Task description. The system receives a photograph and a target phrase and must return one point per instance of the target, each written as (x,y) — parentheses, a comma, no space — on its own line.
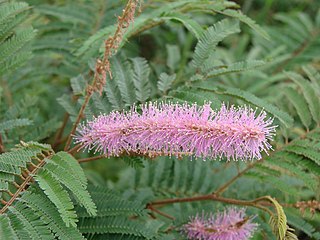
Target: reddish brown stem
(160,212)
(57,139)
(22,186)
(213,197)
(91,158)
(2,150)
(225,186)
(102,67)
(76,123)
(74,149)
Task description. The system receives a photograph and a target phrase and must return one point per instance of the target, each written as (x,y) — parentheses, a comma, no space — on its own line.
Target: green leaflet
(284,117)
(114,95)
(36,228)
(141,74)
(312,74)
(123,75)
(14,40)
(78,85)
(131,83)
(39,203)
(235,67)
(18,158)
(243,18)
(297,221)
(284,164)
(194,27)
(173,56)
(60,197)
(117,237)
(198,97)
(18,227)
(66,13)
(70,164)
(165,82)
(309,94)
(116,215)
(153,18)
(109,203)
(120,225)
(171,175)
(12,162)
(312,154)
(278,222)
(210,39)
(300,105)
(11,9)
(11,124)
(71,108)
(71,182)
(69,40)
(14,45)
(63,169)
(6,231)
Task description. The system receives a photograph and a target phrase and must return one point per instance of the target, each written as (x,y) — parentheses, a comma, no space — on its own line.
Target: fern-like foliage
(117,216)
(210,39)
(50,176)
(14,38)
(181,51)
(296,39)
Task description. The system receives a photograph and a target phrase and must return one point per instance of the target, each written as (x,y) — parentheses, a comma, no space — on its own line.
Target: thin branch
(74,149)
(7,92)
(57,139)
(103,66)
(213,197)
(76,123)
(64,139)
(91,158)
(225,186)
(23,186)
(149,154)
(298,51)
(2,149)
(160,212)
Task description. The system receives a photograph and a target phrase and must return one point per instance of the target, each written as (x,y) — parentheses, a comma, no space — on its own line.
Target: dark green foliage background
(267,57)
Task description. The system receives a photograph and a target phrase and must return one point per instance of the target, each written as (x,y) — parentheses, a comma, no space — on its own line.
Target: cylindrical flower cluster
(232,224)
(174,130)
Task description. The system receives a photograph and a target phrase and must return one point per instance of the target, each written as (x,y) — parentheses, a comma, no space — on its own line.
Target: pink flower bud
(232,224)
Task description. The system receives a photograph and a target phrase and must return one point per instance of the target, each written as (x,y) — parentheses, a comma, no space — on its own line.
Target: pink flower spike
(175,130)
(232,224)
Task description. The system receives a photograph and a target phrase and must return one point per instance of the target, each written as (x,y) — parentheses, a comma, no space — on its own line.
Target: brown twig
(149,154)
(76,123)
(2,149)
(82,160)
(74,149)
(160,212)
(225,186)
(298,51)
(57,139)
(103,66)
(212,197)
(312,205)
(22,186)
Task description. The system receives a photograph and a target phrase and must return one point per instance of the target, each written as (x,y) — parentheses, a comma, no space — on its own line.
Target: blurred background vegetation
(66,37)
